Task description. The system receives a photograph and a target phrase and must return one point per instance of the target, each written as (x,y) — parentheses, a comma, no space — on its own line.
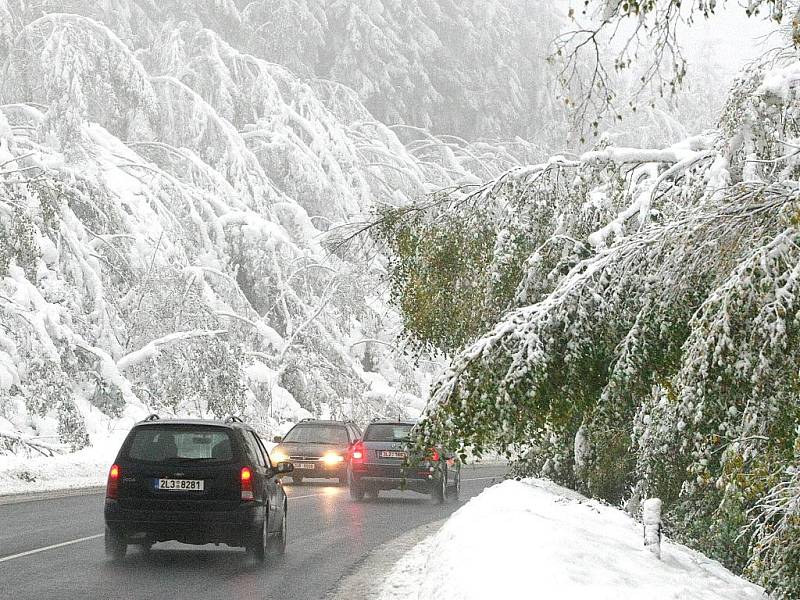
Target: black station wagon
(195,482)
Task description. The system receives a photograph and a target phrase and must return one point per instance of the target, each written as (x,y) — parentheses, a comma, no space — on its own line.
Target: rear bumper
(380,477)
(232,527)
(423,486)
(321,471)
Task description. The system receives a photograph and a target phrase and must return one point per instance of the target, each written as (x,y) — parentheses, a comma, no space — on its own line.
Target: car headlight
(332,458)
(278,456)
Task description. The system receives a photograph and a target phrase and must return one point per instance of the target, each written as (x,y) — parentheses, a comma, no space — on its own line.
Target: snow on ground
(535,540)
(85,468)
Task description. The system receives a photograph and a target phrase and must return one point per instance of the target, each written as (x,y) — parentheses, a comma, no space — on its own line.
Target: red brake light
(247,483)
(358,452)
(112,487)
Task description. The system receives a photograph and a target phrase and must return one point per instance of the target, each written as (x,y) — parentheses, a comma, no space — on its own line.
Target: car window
(264,452)
(387,432)
(321,434)
(167,444)
(255,450)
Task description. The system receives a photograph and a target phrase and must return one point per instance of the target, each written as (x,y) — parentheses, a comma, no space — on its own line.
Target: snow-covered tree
(470,69)
(82,72)
(163,200)
(644,39)
(640,301)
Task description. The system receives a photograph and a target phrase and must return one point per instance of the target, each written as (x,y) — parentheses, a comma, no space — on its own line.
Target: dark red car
(381,461)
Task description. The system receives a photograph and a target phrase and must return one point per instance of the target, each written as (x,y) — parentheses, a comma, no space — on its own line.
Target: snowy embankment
(83,469)
(534,539)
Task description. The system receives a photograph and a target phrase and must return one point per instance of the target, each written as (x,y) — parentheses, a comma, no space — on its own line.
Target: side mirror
(277,439)
(282,468)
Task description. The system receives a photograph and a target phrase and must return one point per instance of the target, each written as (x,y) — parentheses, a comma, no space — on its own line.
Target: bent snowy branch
(152,349)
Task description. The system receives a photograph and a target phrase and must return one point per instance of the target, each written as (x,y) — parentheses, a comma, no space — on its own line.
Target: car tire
(455,490)
(372,494)
(297,479)
(439,492)
(259,541)
(356,489)
(146,547)
(116,546)
(277,545)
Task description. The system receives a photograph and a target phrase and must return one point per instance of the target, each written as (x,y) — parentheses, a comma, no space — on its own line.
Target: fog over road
(329,535)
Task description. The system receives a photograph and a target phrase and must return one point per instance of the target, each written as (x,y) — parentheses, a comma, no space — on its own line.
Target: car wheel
(116,546)
(259,541)
(455,491)
(297,479)
(356,489)
(439,493)
(372,494)
(146,547)
(278,542)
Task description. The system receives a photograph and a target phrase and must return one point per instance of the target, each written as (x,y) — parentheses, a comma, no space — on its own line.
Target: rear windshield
(166,444)
(387,433)
(319,434)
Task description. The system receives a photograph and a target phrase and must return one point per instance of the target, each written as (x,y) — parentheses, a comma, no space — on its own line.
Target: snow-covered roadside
(85,468)
(534,539)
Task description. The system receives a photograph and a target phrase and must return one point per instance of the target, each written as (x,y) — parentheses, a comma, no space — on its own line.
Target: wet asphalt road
(329,535)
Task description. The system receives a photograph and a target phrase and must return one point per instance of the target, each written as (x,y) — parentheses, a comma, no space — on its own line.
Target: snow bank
(85,468)
(534,539)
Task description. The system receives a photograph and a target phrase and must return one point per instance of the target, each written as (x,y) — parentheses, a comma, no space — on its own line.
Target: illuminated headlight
(278,456)
(332,459)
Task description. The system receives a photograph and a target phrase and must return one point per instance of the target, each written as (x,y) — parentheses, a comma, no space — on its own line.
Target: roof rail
(152,417)
(234,419)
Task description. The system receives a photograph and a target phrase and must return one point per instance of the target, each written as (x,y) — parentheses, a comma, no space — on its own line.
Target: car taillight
(247,483)
(112,487)
(433,455)
(358,453)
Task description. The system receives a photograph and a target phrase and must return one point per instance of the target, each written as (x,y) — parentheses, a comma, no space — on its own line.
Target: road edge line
(6,499)
(367,577)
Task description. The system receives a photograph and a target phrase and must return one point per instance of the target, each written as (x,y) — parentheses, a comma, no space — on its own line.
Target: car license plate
(392,454)
(180,485)
(304,465)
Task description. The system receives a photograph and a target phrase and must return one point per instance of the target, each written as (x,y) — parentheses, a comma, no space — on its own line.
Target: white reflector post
(651,515)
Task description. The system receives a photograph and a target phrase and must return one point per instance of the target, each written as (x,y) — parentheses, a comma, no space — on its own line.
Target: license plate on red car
(392,454)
